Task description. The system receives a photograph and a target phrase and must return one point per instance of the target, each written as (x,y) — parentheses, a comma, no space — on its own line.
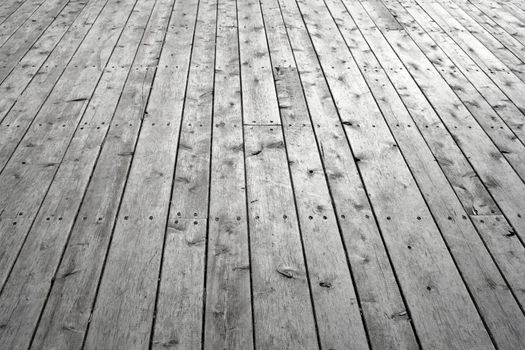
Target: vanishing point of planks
(270,174)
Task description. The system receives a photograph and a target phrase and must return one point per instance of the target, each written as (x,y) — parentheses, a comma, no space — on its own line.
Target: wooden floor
(271,174)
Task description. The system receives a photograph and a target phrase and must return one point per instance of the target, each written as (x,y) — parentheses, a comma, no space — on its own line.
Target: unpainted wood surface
(271,174)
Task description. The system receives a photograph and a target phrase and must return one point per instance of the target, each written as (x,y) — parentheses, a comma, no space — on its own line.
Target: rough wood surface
(271,174)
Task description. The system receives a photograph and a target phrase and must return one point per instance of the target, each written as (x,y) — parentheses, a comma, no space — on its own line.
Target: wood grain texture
(72,295)
(272,174)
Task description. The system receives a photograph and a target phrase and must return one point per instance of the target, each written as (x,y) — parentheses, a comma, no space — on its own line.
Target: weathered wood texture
(271,174)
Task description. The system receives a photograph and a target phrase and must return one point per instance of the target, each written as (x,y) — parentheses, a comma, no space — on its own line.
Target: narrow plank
(512,61)
(498,176)
(335,301)
(495,70)
(432,286)
(516,245)
(508,19)
(499,63)
(228,316)
(23,40)
(134,258)
(469,188)
(517,4)
(42,51)
(314,199)
(387,320)
(506,248)
(184,262)
(179,318)
(515,10)
(283,313)
(336,308)
(8,7)
(434,43)
(68,308)
(22,14)
(26,90)
(503,138)
(498,306)
(282,307)
(29,173)
(514,4)
(474,18)
(27,287)
(259,90)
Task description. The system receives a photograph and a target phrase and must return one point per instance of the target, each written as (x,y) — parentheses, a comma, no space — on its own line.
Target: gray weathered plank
(68,307)
(26,89)
(272,174)
(7,7)
(387,319)
(435,43)
(133,262)
(33,166)
(18,44)
(488,162)
(506,248)
(228,317)
(283,314)
(258,96)
(28,284)
(498,306)
(20,16)
(389,184)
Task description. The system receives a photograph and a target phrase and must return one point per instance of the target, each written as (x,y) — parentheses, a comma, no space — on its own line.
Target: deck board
(272,174)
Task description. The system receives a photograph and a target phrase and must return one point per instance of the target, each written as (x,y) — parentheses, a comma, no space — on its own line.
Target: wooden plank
(434,42)
(10,25)
(182,292)
(501,220)
(27,287)
(68,308)
(134,258)
(504,139)
(33,166)
(468,187)
(61,13)
(495,70)
(283,313)
(504,67)
(498,176)
(43,51)
(497,305)
(387,319)
(335,301)
(430,282)
(258,96)
(228,316)
(512,61)
(474,19)
(515,5)
(8,7)
(331,281)
(506,248)
(315,207)
(509,19)
(26,89)
(363,210)
(282,308)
